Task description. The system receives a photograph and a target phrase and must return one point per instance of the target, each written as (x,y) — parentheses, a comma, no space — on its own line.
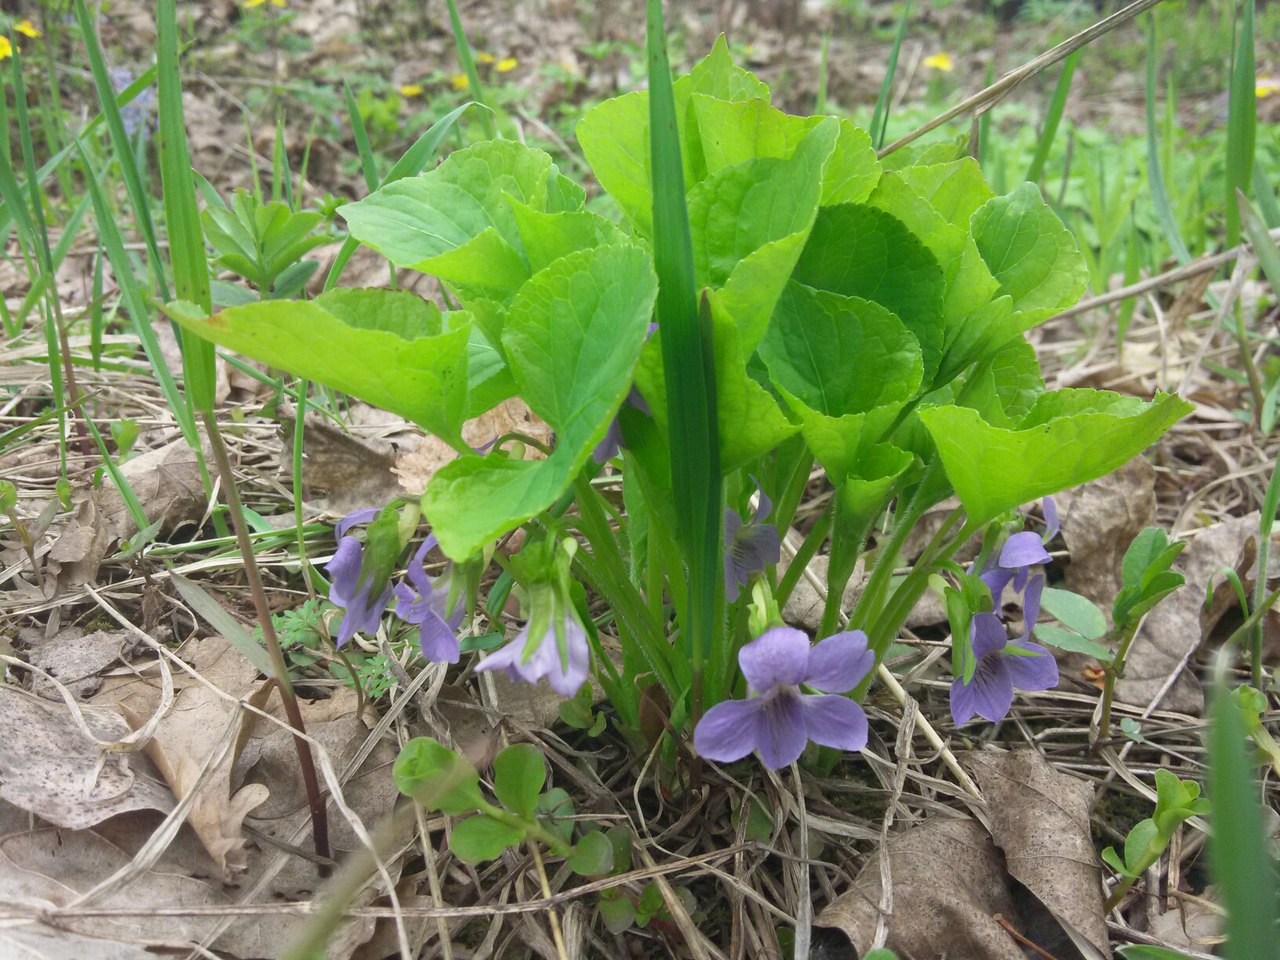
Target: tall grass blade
(1238,848)
(368,162)
(880,116)
(688,364)
(1155,175)
(186,236)
(820,101)
(1264,193)
(1057,104)
(1242,120)
(120,143)
(469,67)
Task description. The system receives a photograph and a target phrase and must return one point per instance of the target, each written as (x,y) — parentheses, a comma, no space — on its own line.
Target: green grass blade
(186,236)
(1057,104)
(1238,848)
(1264,246)
(1155,174)
(820,101)
(880,116)
(469,67)
(1265,195)
(368,162)
(131,502)
(1242,121)
(688,364)
(120,143)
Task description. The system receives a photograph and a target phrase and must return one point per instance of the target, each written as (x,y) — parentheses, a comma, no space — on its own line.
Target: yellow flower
(1266,87)
(411,90)
(460,81)
(507,64)
(484,58)
(27,29)
(6,48)
(250,4)
(940,61)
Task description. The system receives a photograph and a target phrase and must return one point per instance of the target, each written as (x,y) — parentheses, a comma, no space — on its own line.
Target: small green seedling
(442,780)
(1176,801)
(264,243)
(577,712)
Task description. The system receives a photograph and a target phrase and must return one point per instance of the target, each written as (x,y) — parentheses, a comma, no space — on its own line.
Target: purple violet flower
(362,611)
(748,547)
(989,693)
(565,671)
(135,115)
(608,448)
(425,604)
(776,719)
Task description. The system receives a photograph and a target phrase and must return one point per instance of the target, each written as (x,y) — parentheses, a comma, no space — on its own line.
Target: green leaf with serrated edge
(754,217)
(592,855)
(436,777)
(519,772)
(994,469)
(1072,610)
(455,221)
(820,348)
(572,336)
(546,237)
(1029,251)
(480,838)
(750,421)
(862,495)
(859,251)
(614,135)
(377,345)
(1071,641)
(731,132)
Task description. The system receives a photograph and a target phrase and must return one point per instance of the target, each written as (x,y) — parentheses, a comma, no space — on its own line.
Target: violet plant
(814,303)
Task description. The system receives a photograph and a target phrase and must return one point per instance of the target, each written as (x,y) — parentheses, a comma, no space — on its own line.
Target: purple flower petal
(783,737)
(752,549)
(344,571)
(1023,550)
(992,688)
(962,706)
(838,663)
(1031,604)
(996,580)
(438,639)
(545,660)
(610,444)
(765,505)
(730,730)
(987,635)
(1050,518)
(352,519)
(1032,673)
(834,721)
(418,566)
(775,658)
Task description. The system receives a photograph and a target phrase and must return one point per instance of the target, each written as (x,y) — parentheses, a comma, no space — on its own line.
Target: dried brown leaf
(1039,817)
(74,658)
(948,884)
(49,767)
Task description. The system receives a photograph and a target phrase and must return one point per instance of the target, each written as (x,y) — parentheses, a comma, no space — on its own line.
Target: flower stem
(1114,670)
(319,815)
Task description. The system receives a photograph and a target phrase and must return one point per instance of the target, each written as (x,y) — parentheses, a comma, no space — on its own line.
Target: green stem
(808,549)
(1114,671)
(533,830)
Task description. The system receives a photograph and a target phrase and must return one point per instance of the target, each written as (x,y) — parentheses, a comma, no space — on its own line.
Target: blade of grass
(820,101)
(1238,848)
(1242,120)
(984,99)
(1057,104)
(1155,175)
(368,162)
(880,116)
(469,67)
(40,283)
(689,367)
(120,143)
(1265,195)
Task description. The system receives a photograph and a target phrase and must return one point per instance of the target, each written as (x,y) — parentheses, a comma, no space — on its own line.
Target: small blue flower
(777,719)
(362,607)
(748,547)
(565,668)
(425,604)
(989,692)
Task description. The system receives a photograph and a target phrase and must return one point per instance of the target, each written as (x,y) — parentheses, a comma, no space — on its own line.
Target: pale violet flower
(528,658)
(748,547)
(362,607)
(777,719)
(989,693)
(424,602)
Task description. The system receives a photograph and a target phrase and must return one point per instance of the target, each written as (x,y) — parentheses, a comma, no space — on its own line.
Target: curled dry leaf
(168,485)
(948,884)
(74,658)
(187,738)
(49,767)
(1039,817)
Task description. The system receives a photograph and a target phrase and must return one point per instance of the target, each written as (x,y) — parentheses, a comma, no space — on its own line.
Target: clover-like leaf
(519,773)
(592,855)
(480,838)
(437,777)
